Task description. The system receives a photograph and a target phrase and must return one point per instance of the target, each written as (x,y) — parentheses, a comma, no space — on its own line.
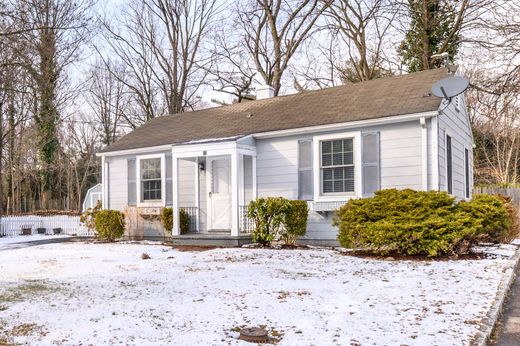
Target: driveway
(508,328)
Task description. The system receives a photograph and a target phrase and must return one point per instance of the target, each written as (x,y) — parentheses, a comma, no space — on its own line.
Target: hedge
(430,223)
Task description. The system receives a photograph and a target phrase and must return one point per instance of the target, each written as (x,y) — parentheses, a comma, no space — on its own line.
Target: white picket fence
(13,225)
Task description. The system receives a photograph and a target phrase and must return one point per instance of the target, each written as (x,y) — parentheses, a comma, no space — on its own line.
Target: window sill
(151,204)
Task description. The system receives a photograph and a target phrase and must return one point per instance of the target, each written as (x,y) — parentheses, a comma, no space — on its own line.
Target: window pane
(348,144)
(337,159)
(348,158)
(326,160)
(327,174)
(327,186)
(326,147)
(337,146)
(349,186)
(349,172)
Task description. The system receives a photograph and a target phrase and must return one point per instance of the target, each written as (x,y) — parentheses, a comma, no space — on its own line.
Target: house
(324,146)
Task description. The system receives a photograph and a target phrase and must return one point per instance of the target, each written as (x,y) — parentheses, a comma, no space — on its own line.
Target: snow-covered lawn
(81,294)
(28,238)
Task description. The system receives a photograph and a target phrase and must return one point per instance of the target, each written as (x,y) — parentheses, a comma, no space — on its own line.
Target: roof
(384,97)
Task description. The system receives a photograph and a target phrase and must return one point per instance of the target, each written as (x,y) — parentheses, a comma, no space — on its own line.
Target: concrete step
(210,240)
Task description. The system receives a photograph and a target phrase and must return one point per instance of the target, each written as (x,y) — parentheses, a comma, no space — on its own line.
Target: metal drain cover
(254,334)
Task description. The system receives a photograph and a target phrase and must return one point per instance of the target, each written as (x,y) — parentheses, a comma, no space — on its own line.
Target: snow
(28,238)
(79,293)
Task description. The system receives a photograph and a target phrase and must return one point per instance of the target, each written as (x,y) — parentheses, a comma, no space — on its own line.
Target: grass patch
(26,290)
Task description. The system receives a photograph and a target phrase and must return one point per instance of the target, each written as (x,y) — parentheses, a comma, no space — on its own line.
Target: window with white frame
(151,180)
(337,166)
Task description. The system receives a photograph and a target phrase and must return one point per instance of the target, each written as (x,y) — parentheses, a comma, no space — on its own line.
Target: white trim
(346,125)
(446,134)
(234,193)
(103,178)
(435,153)
(358,169)
(197,194)
(158,203)
(253,167)
(424,153)
(467,177)
(175,196)
(145,150)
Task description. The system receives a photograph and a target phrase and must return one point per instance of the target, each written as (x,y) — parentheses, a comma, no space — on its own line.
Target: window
(337,166)
(305,178)
(449,165)
(466,170)
(150,170)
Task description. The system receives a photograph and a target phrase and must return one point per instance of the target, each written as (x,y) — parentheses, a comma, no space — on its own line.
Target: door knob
(210,194)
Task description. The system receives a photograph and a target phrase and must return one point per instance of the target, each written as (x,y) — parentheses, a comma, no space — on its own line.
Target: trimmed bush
(405,222)
(268,215)
(167,219)
(184,218)
(495,215)
(110,224)
(295,221)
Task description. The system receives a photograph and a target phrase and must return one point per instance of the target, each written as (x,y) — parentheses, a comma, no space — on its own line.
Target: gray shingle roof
(378,98)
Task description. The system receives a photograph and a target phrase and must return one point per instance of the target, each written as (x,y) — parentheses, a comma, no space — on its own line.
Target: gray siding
(456,125)
(187,173)
(277,167)
(118,185)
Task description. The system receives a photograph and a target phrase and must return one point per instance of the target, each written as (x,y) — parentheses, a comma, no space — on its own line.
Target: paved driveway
(508,328)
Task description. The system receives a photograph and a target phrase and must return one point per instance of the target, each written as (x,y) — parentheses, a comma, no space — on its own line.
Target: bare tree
(274,30)
(108,99)
(232,71)
(362,26)
(161,44)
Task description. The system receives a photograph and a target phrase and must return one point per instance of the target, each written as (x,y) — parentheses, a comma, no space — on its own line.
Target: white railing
(70,225)
(245,224)
(193,213)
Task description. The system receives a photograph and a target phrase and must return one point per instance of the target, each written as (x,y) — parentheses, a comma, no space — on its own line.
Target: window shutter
(371,169)
(132,187)
(305,176)
(169,179)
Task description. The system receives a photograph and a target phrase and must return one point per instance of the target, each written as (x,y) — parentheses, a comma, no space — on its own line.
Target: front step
(210,240)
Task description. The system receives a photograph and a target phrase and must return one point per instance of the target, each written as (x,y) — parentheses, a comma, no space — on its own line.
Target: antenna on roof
(450,87)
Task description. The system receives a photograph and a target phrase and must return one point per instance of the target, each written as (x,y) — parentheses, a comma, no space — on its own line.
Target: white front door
(219,195)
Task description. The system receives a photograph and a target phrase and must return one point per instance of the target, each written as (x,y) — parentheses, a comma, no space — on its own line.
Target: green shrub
(406,222)
(268,215)
(295,221)
(167,219)
(110,224)
(493,215)
(184,218)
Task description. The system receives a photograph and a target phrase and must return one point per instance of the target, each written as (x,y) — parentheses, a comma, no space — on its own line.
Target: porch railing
(193,213)
(245,224)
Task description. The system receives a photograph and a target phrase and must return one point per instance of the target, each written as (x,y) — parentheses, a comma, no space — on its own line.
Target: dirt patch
(26,290)
(26,329)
